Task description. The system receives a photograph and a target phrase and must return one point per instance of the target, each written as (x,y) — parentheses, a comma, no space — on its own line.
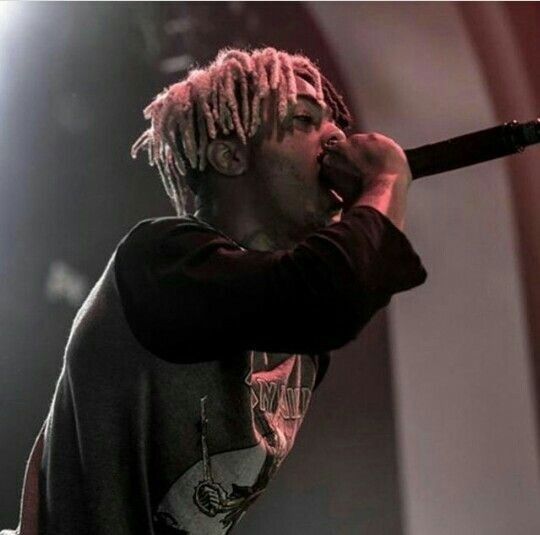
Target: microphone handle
(472,148)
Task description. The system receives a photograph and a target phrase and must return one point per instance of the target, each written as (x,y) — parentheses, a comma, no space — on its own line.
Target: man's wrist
(390,200)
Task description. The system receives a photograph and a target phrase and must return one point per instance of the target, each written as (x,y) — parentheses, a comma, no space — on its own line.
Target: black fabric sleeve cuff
(395,266)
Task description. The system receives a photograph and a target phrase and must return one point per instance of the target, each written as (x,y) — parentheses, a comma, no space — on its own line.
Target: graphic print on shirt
(212,496)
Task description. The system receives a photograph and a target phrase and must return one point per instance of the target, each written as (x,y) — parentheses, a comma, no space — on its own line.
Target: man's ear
(228,156)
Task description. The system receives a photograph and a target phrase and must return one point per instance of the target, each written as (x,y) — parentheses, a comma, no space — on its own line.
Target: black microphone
(472,148)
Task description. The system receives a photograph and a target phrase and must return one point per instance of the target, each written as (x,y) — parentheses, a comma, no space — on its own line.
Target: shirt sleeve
(191,293)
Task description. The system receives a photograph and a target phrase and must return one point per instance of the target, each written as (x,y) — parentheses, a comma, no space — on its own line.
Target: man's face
(285,171)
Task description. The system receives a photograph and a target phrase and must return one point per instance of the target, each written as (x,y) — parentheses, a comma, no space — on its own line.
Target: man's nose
(332,136)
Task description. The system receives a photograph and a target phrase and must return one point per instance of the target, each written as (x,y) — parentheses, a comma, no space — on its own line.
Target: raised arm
(191,293)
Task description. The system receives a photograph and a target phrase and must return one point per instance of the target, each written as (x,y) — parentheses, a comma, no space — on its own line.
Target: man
(191,364)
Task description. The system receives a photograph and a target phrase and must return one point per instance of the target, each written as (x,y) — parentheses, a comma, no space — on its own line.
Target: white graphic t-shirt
(213,494)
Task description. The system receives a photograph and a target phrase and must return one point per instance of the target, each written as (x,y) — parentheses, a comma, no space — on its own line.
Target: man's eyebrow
(313,101)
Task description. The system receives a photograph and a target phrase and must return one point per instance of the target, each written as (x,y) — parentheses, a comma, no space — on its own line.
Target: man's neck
(243,229)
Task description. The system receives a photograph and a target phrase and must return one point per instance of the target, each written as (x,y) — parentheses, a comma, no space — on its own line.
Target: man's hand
(369,170)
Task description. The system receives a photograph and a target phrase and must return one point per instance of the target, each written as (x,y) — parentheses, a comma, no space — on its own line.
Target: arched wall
(460,347)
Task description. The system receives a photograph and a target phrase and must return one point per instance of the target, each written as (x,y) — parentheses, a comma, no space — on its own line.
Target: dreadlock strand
(161,109)
(308,71)
(203,136)
(202,85)
(233,103)
(342,113)
(141,142)
(224,114)
(318,82)
(214,97)
(282,101)
(191,141)
(243,72)
(290,77)
(174,178)
(207,115)
(263,90)
(240,56)
(181,112)
(245,67)
(181,198)
(165,179)
(170,146)
(286,92)
(176,156)
(274,67)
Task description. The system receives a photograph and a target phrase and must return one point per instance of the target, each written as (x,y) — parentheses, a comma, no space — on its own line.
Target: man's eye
(306,119)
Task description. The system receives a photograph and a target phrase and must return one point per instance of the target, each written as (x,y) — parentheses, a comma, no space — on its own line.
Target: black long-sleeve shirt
(188,289)
(189,369)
